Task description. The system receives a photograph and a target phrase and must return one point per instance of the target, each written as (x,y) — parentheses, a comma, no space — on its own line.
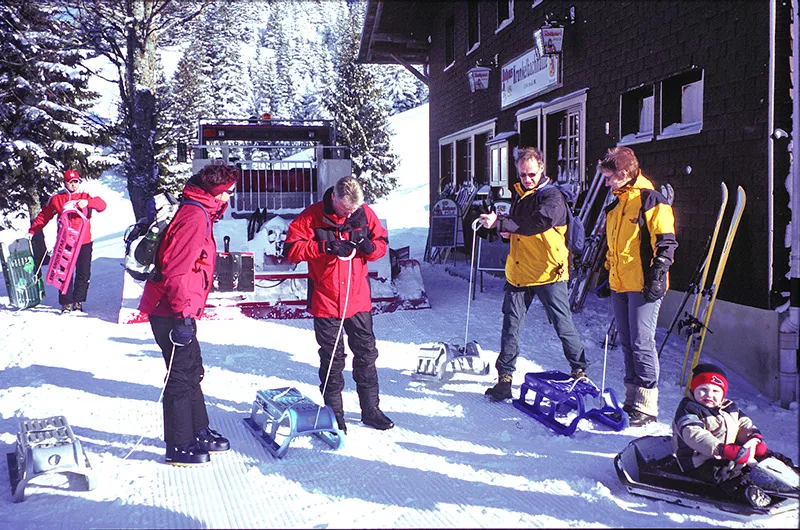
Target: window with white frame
(505,13)
(636,115)
(449,42)
(463,155)
(682,104)
(473,26)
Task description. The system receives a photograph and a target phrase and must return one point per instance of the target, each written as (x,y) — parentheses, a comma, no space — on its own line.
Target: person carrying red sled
(71,198)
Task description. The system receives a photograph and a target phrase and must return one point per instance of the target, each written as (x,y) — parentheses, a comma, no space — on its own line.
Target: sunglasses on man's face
(73,181)
(231,191)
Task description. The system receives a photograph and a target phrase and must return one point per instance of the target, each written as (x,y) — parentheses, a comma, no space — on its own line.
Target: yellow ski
(691,321)
(723,260)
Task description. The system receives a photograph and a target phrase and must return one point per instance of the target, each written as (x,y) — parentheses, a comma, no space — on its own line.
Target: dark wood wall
(616,46)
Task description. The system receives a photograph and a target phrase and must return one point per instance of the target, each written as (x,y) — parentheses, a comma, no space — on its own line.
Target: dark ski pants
(361,340)
(184,404)
(79,286)
(636,321)
(555,299)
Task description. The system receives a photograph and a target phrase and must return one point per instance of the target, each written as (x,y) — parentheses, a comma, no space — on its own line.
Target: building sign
(526,76)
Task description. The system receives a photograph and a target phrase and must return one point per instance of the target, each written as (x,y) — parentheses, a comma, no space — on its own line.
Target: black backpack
(575,237)
(143,238)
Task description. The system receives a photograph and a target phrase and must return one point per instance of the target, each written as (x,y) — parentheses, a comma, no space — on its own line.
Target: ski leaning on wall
(696,324)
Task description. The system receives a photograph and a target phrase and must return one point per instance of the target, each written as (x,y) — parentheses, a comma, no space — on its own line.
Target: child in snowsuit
(716,442)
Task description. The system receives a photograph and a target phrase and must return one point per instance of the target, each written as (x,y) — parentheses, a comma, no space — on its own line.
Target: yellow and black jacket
(640,225)
(537,223)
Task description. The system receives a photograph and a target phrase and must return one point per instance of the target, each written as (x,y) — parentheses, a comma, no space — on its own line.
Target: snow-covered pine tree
(45,124)
(223,34)
(128,33)
(361,113)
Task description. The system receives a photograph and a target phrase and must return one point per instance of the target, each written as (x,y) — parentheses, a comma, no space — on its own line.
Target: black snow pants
(184,404)
(79,286)
(361,340)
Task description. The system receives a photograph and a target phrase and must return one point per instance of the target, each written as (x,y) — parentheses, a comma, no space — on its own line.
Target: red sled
(71,226)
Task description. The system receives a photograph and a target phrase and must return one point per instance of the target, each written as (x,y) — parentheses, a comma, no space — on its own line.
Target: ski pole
(475,224)
(160,397)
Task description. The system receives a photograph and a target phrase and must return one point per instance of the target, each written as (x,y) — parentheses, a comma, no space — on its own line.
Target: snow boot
(77,306)
(376,419)
(502,390)
(579,373)
(757,497)
(212,441)
(188,454)
(639,418)
(66,308)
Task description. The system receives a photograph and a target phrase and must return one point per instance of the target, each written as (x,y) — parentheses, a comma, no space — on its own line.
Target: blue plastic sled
(558,393)
(282,407)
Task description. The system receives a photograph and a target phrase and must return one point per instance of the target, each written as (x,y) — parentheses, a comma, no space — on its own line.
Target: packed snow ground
(453,460)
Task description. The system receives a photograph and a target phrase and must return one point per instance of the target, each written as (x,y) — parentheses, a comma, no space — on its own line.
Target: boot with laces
(502,390)
(212,441)
(188,454)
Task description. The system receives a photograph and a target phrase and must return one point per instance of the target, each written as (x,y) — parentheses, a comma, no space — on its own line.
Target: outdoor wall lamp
(479,76)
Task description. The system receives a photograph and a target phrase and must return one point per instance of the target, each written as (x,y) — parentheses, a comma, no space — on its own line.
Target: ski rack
(558,393)
(25,288)
(46,446)
(67,249)
(434,365)
(287,407)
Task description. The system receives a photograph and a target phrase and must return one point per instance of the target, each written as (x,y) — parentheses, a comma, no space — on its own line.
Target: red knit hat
(709,374)
(70,175)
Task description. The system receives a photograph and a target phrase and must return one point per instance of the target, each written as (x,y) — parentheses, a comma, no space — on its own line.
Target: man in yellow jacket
(537,265)
(640,229)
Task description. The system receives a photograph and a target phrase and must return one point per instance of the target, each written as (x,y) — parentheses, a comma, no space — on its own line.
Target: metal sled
(441,360)
(19,270)
(68,246)
(647,467)
(557,392)
(46,446)
(283,408)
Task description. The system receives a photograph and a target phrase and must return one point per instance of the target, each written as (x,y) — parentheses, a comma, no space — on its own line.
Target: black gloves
(655,281)
(340,247)
(603,289)
(182,331)
(363,243)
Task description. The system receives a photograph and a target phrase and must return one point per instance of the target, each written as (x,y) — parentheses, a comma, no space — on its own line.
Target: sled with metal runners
(44,446)
(440,360)
(24,285)
(555,393)
(280,415)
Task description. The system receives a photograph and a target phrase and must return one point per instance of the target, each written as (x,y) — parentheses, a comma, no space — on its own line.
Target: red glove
(761,448)
(737,453)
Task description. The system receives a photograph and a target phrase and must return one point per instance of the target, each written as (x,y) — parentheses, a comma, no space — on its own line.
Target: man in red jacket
(71,198)
(337,236)
(174,298)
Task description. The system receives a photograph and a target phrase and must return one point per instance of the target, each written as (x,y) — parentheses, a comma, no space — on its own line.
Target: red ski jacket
(327,274)
(186,259)
(62,200)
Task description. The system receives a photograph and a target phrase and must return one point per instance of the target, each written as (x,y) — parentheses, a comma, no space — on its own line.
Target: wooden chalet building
(700,90)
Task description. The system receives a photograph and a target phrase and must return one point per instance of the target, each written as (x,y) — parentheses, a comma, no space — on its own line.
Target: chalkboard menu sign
(492,256)
(444,224)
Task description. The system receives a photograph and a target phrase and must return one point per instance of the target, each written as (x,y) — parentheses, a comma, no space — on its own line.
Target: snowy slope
(454,459)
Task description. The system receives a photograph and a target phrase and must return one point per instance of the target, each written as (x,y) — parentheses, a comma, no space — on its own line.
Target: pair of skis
(696,323)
